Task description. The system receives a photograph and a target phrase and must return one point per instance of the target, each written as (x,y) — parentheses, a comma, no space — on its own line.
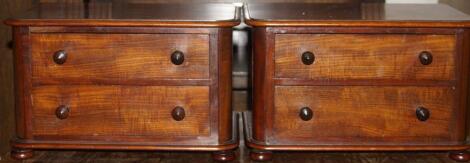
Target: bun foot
(21,154)
(228,155)
(460,156)
(261,155)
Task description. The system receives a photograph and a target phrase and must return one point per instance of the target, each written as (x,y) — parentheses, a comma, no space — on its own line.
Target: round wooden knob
(60,57)
(177,57)
(308,58)
(178,113)
(306,114)
(422,113)
(425,57)
(62,112)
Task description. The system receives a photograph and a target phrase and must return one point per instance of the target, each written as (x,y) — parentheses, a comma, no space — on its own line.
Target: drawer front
(364,115)
(363,57)
(113,112)
(119,57)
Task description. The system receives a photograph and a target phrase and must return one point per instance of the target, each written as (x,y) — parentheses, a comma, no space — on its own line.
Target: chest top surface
(128,13)
(355,14)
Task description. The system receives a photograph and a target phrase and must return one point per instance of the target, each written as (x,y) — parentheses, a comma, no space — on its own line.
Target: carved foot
(228,155)
(261,155)
(21,154)
(460,156)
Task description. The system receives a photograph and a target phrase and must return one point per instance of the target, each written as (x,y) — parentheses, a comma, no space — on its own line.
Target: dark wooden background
(10,8)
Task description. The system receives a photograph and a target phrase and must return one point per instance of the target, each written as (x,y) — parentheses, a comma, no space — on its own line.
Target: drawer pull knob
(308,58)
(425,58)
(177,58)
(60,57)
(422,113)
(62,112)
(178,113)
(306,114)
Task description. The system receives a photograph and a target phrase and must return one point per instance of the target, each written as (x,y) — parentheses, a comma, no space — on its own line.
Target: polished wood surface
(261,155)
(263,71)
(104,112)
(460,156)
(356,56)
(358,77)
(119,57)
(116,75)
(354,14)
(166,144)
(223,156)
(125,13)
(363,115)
(20,154)
(242,154)
(262,146)
(224,76)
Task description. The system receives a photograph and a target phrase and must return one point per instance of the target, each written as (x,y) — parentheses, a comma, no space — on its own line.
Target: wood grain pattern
(264,146)
(119,57)
(132,113)
(356,56)
(117,77)
(364,115)
(367,79)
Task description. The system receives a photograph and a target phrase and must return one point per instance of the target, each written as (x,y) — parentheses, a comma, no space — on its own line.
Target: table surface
(116,13)
(349,14)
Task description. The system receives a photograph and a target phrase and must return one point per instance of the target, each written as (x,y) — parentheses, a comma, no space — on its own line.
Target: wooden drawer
(355,115)
(116,113)
(119,57)
(365,56)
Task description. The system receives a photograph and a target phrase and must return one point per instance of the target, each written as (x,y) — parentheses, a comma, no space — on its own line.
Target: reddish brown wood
(462,84)
(363,30)
(118,79)
(256,155)
(224,83)
(363,115)
(260,145)
(21,154)
(119,57)
(460,156)
(121,30)
(103,145)
(380,77)
(214,85)
(353,15)
(23,83)
(104,112)
(343,56)
(127,14)
(360,82)
(186,145)
(224,155)
(259,76)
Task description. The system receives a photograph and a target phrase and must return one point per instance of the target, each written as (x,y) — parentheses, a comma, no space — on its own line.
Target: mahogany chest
(124,75)
(358,77)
